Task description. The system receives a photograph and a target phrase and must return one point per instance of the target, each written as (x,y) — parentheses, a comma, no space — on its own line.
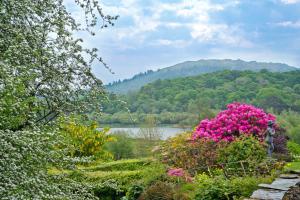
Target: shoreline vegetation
(119,125)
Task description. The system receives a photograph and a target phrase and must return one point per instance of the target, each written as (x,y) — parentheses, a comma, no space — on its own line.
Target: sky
(153,34)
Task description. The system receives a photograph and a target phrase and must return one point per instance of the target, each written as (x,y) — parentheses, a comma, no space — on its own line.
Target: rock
(292,194)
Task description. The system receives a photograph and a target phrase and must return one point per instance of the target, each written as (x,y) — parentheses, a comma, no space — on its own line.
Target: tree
(122,147)
(44,72)
(273,98)
(148,130)
(44,69)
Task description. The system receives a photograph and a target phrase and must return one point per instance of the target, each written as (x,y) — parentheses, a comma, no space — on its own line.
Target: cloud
(162,32)
(289,24)
(290,1)
(200,24)
(219,33)
(172,43)
(192,16)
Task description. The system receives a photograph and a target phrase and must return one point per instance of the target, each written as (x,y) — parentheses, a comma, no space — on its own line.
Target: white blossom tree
(44,72)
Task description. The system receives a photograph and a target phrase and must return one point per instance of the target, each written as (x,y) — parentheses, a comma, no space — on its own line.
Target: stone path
(277,189)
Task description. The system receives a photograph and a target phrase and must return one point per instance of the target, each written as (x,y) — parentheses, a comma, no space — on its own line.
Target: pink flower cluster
(237,119)
(179,172)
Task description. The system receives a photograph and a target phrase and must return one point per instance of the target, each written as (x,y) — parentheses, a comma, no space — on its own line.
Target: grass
(292,166)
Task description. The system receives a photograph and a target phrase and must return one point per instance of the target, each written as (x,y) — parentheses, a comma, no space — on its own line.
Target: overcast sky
(152,34)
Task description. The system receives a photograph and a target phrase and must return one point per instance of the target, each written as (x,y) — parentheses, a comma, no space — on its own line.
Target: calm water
(165,132)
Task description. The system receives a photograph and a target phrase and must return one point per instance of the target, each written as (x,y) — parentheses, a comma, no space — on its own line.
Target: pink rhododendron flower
(237,119)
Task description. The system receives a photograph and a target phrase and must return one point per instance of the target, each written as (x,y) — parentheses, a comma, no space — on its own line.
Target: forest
(187,100)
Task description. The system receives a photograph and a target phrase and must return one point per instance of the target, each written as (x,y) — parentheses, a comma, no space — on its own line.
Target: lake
(165,132)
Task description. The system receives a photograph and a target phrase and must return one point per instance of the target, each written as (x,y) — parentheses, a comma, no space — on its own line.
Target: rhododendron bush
(180,152)
(238,119)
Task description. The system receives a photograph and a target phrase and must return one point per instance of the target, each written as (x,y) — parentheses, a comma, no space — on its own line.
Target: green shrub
(193,156)
(242,149)
(243,186)
(218,187)
(294,149)
(163,191)
(154,172)
(134,192)
(108,190)
(243,156)
(211,188)
(122,147)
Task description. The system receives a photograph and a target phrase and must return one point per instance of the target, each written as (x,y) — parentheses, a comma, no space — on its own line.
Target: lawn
(292,166)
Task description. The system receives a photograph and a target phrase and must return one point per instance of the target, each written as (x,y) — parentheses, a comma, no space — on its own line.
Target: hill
(192,68)
(177,99)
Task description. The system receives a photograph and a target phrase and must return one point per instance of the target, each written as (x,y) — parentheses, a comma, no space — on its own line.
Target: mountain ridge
(193,68)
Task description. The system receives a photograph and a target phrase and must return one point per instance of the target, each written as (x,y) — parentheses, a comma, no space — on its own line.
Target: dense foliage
(238,119)
(201,95)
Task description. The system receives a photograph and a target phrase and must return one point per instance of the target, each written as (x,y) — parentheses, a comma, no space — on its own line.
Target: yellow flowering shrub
(86,140)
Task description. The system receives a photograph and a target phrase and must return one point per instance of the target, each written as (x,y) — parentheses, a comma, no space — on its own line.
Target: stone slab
(285,183)
(264,194)
(273,187)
